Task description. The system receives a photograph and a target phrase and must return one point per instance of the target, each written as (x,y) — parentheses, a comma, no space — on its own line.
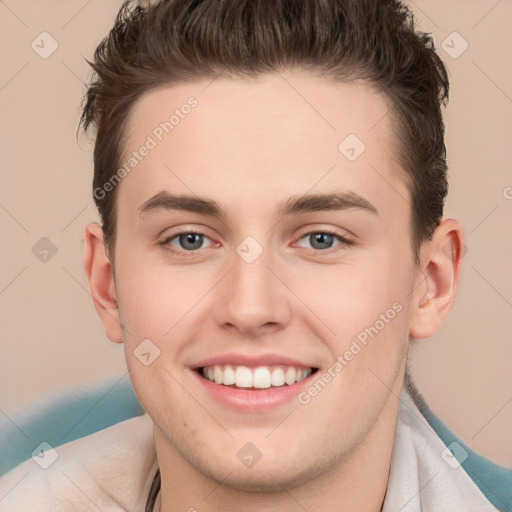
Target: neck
(357,483)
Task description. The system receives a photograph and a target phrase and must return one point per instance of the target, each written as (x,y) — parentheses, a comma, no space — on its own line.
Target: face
(268,261)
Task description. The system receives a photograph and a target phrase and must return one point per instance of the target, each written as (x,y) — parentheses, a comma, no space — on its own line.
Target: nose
(252,300)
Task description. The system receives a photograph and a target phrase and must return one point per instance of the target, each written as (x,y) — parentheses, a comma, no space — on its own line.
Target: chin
(265,477)
(261,480)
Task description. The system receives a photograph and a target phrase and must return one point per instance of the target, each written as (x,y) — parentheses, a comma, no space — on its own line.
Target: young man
(270,178)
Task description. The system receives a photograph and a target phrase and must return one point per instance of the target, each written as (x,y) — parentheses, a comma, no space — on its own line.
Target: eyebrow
(294,205)
(327,202)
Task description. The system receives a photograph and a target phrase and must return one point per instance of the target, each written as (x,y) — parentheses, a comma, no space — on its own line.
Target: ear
(439,270)
(101,281)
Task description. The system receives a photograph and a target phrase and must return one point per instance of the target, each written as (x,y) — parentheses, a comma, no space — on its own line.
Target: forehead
(282,133)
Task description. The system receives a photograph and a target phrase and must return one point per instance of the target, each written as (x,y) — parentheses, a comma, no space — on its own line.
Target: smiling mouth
(261,377)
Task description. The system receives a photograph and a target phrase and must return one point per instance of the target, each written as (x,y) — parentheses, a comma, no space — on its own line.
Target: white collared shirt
(112,471)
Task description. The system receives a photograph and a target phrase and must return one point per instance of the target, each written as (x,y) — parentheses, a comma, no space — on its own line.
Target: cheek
(366,311)
(368,318)
(154,297)
(347,299)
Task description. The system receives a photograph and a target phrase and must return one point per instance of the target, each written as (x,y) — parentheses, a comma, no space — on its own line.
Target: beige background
(51,337)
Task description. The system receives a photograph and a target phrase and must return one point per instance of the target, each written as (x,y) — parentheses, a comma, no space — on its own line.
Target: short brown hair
(167,41)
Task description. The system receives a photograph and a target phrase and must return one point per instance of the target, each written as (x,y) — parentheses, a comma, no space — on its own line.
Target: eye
(186,241)
(321,240)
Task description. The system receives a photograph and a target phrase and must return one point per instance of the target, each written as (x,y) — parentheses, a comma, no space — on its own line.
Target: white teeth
(302,374)
(229,376)
(243,377)
(290,376)
(262,377)
(277,377)
(217,374)
(306,373)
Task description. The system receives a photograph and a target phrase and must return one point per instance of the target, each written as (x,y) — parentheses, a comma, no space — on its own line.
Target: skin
(250,145)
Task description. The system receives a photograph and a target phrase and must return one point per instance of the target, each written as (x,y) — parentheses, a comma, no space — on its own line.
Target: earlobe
(101,281)
(441,261)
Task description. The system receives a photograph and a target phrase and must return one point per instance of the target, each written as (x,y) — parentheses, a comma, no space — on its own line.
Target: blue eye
(321,240)
(191,241)
(187,241)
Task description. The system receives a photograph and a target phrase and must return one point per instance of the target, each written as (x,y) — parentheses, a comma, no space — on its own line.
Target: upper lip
(251,361)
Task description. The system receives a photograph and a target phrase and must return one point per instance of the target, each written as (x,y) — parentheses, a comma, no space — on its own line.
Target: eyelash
(343,241)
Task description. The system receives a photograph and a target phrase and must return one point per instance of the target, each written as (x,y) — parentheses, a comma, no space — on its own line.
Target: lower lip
(253,400)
